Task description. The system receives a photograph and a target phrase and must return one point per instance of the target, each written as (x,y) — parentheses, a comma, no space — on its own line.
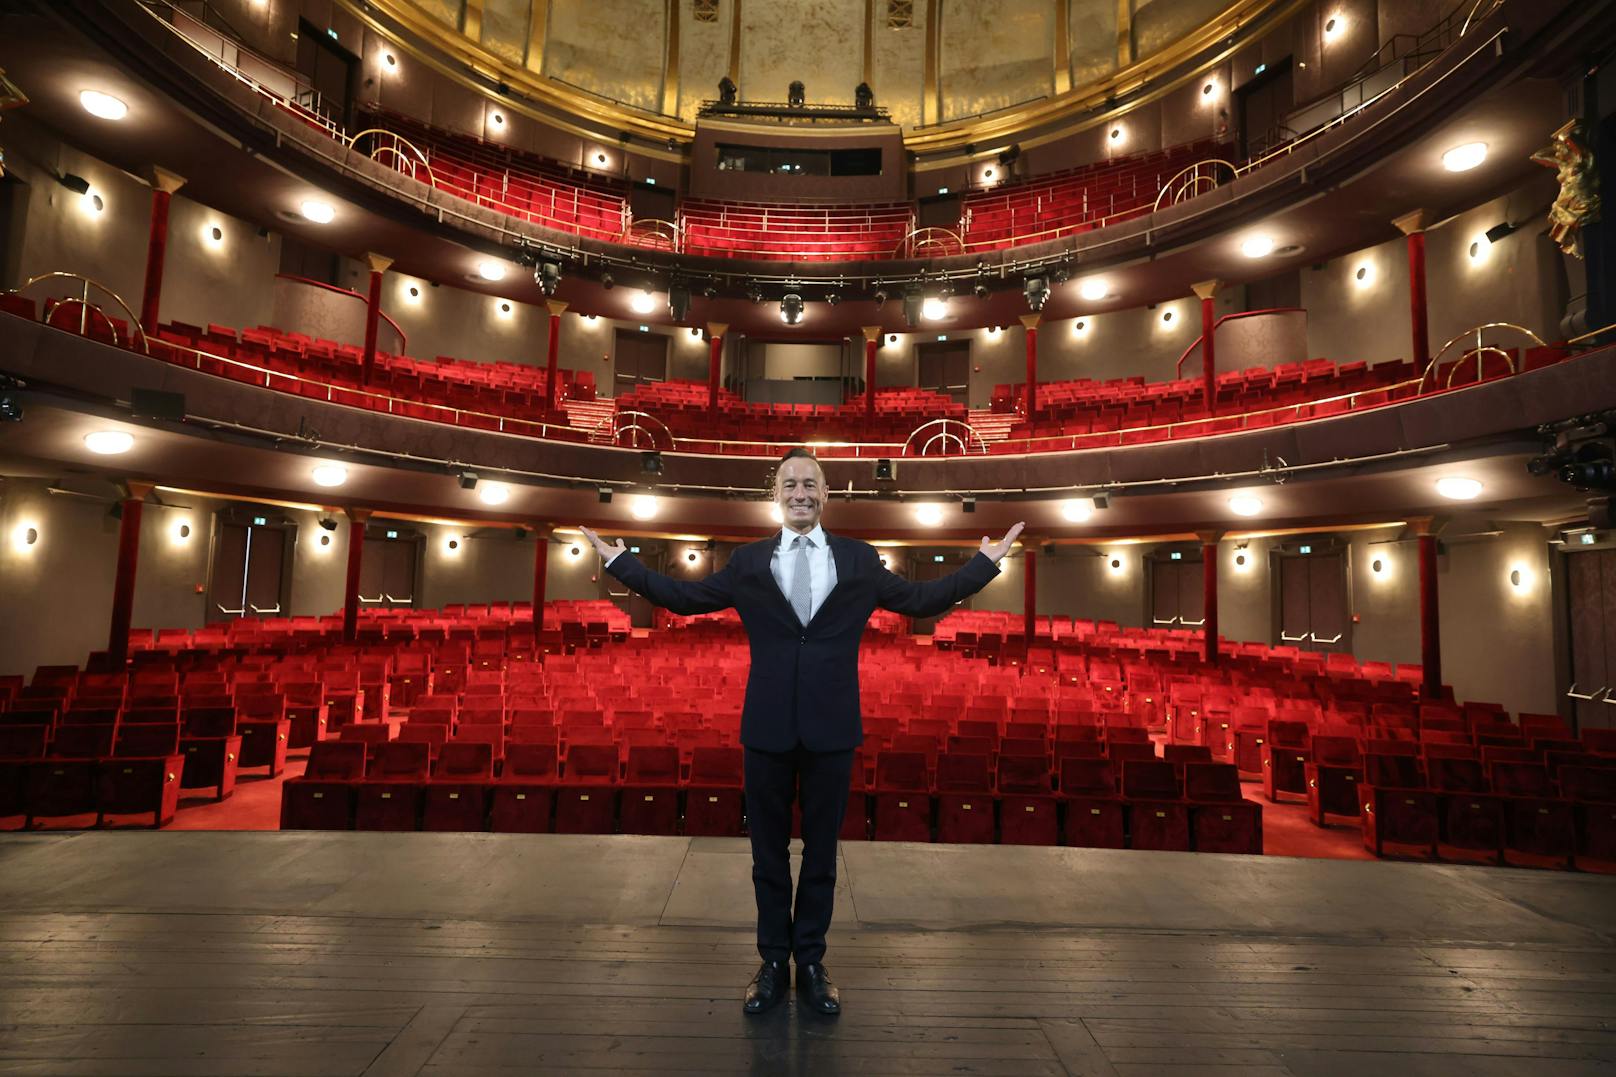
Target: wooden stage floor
(175,953)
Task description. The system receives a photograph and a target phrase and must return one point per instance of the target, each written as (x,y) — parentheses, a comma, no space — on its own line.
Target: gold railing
(1191,181)
(84,304)
(1479,351)
(403,154)
(654,232)
(947,434)
(930,243)
(636,428)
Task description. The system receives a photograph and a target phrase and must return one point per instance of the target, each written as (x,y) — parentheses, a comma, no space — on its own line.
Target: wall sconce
(25,537)
(179,532)
(452,545)
(1520,578)
(575,552)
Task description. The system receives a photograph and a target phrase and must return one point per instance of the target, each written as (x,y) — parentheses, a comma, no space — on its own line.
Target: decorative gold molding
(1205,289)
(164,180)
(670,61)
(1030,320)
(716,330)
(869,40)
(734,43)
(538,33)
(377,263)
(872,333)
(471,20)
(1414,221)
(1063,46)
(556,307)
(931,101)
(1124,33)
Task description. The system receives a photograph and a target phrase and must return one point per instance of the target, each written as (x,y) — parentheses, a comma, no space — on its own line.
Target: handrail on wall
(85,306)
(1178,369)
(403,340)
(1479,351)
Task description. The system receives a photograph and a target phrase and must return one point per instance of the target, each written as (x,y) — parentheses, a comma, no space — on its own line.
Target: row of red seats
(795,233)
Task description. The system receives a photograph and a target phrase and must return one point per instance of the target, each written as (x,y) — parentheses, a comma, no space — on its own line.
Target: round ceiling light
(643,303)
(313,209)
(643,507)
(1457,488)
(490,270)
(934,309)
(1257,246)
(103,105)
(330,475)
(108,442)
(1094,289)
(929,515)
(1464,157)
(1245,505)
(493,493)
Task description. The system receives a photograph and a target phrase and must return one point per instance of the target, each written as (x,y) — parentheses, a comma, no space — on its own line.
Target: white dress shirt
(783,564)
(821,566)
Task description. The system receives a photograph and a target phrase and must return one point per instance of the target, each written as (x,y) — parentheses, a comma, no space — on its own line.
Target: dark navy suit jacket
(804,687)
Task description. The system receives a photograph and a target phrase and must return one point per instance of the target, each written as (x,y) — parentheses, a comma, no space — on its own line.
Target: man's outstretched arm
(932,597)
(680,596)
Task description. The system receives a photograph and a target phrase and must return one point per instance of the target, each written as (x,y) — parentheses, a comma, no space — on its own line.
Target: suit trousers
(820,781)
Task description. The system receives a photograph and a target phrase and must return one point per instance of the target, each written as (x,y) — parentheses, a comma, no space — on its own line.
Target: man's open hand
(608,552)
(996,550)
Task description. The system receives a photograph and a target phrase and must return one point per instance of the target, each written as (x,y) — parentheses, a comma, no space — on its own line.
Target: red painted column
(872,341)
(552,356)
(373,311)
(356,555)
(123,587)
(1029,594)
(715,360)
(164,184)
(541,583)
(1030,321)
(1209,592)
(1206,290)
(1430,614)
(1413,226)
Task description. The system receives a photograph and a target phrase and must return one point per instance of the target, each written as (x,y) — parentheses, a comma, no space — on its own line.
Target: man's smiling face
(799,490)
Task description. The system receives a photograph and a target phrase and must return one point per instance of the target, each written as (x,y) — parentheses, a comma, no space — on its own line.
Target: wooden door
(639,359)
(1177,593)
(1591,613)
(387,573)
(945,367)
(249,571)
(1314,613)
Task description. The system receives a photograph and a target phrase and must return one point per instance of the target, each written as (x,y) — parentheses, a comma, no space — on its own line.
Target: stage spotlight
(606,281)
(76,184)
(726,91)
(1499,231)
(791,308)
(547,275)
(833,298)
(1102,501)
(980,290)
(709,292)
(754,292)
(796,96)
(884,471)
(914,305)
(10,409)
(863,96)
(968,505)
(604,494)
(468,480)
(651,463)
(880,298)
(1009,155)
(678,300)
(1036,291)
(328,523)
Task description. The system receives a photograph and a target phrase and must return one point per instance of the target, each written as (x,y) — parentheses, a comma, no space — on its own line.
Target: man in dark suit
(804,596)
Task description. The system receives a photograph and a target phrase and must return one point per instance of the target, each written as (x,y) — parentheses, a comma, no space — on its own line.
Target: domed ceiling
(928,61)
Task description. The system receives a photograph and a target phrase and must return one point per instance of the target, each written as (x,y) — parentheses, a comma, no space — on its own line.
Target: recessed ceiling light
(313,209)
(1456,488)
(643,303)
(643,507)
(493,493)
(1245,505)
(1077,510)
(108,442)
(490,270)
(929,515)
(934,309)
(1464,158)
(1094,289)
(330,475)
(1257,246)
(103,105)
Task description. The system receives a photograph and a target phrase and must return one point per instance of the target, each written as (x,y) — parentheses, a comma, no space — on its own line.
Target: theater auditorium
(841,537)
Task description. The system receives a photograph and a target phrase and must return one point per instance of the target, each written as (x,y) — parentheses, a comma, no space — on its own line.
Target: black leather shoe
(813,983)
(768,987)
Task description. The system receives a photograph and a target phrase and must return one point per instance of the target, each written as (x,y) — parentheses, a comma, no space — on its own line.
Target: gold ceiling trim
(1133,78)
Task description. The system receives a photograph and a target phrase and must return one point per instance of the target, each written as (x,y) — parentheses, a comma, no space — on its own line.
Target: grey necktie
(802,599)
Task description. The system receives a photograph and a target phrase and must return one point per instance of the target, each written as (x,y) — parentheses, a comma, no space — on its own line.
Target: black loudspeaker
(157,404)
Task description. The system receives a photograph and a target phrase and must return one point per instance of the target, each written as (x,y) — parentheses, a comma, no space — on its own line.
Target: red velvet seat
(389,797)
(1093,812)
(1537,823)
(322,798)
(1470,817)
(586,793)
(524,793)
(1027,805)
(1285,756)
(964,798)
(1222,820)
(1158,818)
(902,797)
(1592,792)
(713,792)
(649,799)
(457,796)
(1394,805)
(1333,774)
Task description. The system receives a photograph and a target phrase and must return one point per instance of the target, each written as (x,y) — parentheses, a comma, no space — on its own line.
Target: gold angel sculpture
(1578,203)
